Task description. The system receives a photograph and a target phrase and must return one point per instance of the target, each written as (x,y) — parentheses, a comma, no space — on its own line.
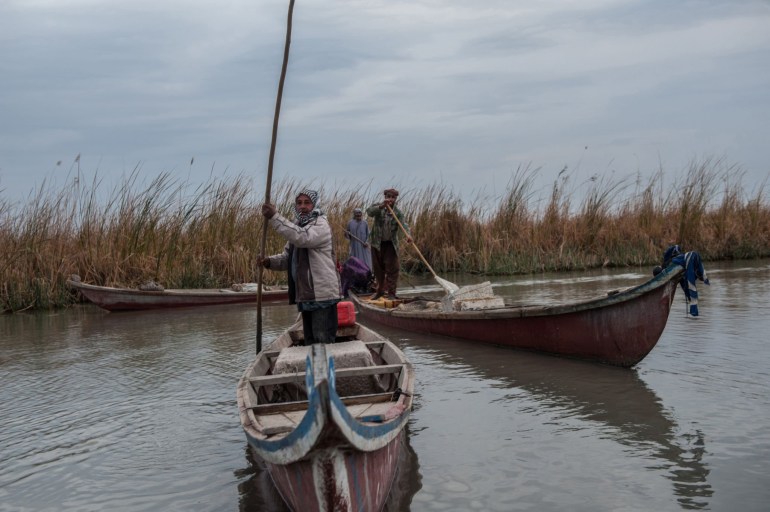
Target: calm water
(136,411)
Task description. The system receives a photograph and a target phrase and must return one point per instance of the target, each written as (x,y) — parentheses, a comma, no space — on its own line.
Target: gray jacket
(316,277)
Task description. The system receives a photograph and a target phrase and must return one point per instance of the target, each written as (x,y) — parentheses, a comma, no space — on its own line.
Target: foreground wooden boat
(620,328)
(131,299)
(328,420)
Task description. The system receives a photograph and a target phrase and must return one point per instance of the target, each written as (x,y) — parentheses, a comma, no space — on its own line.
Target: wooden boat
(620,328)
(131,299)
(328,420)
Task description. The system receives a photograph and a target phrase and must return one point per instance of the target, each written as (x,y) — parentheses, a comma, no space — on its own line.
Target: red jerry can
(346,314)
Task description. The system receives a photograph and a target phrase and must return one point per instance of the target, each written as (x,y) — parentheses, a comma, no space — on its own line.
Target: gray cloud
(382,90)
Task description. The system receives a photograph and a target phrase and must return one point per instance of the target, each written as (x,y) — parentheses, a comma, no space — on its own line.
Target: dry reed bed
(209,236)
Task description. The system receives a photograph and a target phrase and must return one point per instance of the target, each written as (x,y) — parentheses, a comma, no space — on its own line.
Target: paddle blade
(446,285)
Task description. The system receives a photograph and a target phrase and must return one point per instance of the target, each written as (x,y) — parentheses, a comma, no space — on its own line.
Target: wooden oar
(446,285)
(270,170)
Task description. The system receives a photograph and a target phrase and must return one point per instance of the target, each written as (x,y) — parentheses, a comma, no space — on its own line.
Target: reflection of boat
(620,328)
(328,420)
(408,480)
(616,401)
(131,299)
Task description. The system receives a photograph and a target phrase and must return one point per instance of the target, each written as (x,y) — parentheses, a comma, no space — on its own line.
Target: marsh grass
(208,236)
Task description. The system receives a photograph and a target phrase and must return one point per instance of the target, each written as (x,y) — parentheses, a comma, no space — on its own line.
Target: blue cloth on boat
(673,250)
(693,271)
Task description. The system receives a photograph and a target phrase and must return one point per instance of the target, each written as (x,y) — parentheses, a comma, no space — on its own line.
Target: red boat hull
(127,299)
(620,329)
(339,479)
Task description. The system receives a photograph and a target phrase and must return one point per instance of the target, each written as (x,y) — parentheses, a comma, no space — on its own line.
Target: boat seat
(347,354)
(345,333)
(342,373)
(301,405)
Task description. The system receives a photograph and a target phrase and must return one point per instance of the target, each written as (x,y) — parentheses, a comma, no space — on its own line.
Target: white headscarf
(304,218)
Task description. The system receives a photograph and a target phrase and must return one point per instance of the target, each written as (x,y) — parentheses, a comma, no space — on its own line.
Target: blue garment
(359,229)
(693,271)
(673,250)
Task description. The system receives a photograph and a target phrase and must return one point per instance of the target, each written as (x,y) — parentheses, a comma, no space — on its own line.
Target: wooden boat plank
(270,354)
(280,423)
(281,378)
(357,410)
(388,353)
(299,377)
(277,429)
(373,412)
(376,346)
(402,383)
(299,405)
(369,370)
(298,335)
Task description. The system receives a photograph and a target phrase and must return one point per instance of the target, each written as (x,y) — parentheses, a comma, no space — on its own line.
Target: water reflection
(615,400)
(408,480)
(256,490)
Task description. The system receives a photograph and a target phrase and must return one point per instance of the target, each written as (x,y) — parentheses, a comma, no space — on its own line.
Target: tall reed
(208,235)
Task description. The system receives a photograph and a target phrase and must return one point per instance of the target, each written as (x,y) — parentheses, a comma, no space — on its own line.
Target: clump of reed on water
(208,236)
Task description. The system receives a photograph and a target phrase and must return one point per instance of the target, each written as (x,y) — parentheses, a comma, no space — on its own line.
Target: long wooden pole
(270,169)
(354,237)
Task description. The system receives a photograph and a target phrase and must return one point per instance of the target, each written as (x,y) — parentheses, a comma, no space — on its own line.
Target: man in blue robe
(357,232)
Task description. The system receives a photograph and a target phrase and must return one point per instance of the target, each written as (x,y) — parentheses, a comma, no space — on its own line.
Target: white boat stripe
(342,487)
(318,482)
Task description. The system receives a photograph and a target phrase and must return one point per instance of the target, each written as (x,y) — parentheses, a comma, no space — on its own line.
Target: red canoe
(620,328)
(129,299)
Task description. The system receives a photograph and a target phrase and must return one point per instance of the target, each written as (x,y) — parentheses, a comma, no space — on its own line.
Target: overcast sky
(382,92)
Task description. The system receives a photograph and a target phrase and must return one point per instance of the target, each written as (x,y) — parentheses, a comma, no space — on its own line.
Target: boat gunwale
(177,292)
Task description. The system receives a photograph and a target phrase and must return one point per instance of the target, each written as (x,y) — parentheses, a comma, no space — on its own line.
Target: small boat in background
(619,328)
(131,299)
(329,420)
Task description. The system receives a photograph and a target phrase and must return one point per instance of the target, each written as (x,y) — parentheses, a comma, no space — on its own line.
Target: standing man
(358,233)
(384,241)
(314,284)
